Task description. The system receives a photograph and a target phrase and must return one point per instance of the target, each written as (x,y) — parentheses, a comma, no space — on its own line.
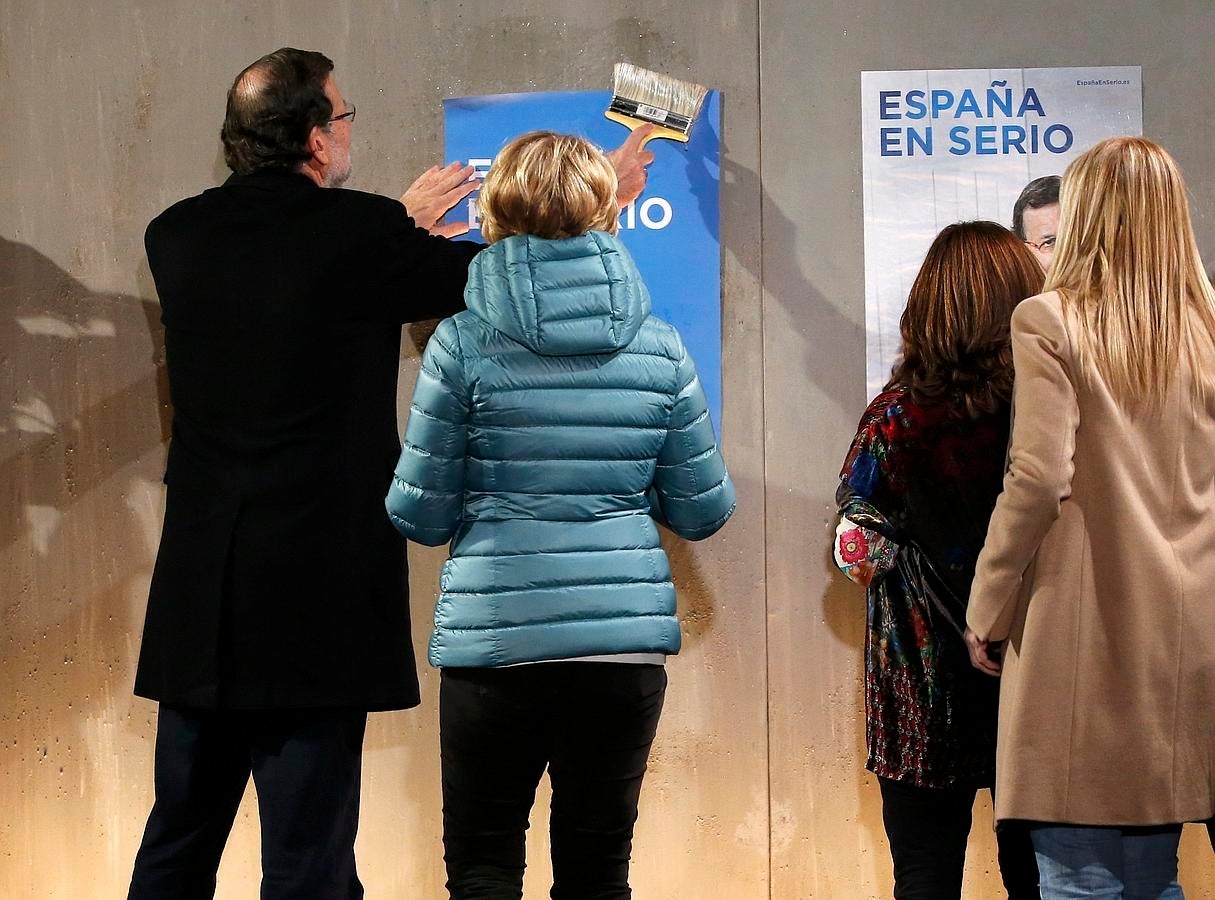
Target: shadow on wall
(62,344)
(692,589)
(86,415)
(823,329)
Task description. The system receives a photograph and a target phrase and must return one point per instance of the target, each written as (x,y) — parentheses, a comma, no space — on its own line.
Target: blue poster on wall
(671,229)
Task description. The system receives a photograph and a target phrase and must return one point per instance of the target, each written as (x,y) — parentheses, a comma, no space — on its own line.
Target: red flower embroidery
(861,573)
(854,547)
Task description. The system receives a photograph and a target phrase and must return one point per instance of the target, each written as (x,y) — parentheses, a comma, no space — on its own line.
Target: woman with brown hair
(916,491)
(1098,569)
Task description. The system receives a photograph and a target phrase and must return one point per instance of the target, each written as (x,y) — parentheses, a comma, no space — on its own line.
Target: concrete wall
(826,823)
(111,112)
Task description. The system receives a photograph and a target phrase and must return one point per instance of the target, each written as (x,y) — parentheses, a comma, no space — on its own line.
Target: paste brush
(640,96)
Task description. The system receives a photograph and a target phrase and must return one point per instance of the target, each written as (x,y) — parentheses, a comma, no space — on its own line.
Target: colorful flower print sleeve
(862,553)
(867,539)
(915,493)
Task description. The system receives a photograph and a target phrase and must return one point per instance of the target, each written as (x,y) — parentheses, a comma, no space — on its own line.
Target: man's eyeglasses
(1048,243)
(348,114)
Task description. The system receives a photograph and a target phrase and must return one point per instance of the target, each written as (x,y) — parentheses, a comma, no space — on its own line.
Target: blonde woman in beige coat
(1098,574)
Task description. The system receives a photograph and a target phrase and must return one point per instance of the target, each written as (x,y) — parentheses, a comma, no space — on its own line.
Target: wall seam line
(763,425)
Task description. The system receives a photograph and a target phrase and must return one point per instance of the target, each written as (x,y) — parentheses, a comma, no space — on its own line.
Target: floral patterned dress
(915,496)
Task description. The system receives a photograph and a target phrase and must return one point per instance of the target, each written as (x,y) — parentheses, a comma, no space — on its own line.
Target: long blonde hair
(1128,270)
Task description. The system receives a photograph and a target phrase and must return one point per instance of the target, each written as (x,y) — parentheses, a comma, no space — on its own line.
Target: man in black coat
(278,614)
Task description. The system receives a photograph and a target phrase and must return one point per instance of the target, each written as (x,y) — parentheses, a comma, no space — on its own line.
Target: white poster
(953,145)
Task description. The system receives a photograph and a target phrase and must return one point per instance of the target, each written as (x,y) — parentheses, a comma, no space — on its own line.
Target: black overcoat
(280,581)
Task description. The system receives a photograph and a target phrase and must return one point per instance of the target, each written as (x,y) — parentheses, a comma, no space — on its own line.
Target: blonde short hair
(551,186)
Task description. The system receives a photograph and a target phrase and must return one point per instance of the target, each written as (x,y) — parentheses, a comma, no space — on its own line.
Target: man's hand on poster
(630,160)
(435,192)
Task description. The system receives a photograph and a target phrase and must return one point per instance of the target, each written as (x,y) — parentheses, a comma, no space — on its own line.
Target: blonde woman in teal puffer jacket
(553,422)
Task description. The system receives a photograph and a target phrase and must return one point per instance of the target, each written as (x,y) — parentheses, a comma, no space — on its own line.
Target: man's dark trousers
(306,769)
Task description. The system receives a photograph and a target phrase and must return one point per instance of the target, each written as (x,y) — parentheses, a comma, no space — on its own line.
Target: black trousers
(928,829)
(306,767)
(591,724)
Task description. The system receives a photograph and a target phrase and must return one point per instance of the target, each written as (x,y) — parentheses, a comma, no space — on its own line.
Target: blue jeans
(1109,863)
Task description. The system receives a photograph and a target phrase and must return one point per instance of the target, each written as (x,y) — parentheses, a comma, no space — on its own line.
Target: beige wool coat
(1099,571)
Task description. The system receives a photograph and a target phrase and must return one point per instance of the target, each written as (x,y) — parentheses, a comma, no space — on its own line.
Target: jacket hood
(566,297)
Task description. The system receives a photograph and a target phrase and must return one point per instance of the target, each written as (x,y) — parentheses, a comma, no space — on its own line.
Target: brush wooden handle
(631,123)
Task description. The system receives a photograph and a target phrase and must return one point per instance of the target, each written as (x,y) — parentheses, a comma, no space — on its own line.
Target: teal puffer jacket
(551,423)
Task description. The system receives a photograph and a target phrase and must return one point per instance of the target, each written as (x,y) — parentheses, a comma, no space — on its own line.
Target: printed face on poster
(954,145)
(671,230)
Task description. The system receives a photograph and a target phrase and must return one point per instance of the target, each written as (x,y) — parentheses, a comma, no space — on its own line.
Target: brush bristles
(683,98)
